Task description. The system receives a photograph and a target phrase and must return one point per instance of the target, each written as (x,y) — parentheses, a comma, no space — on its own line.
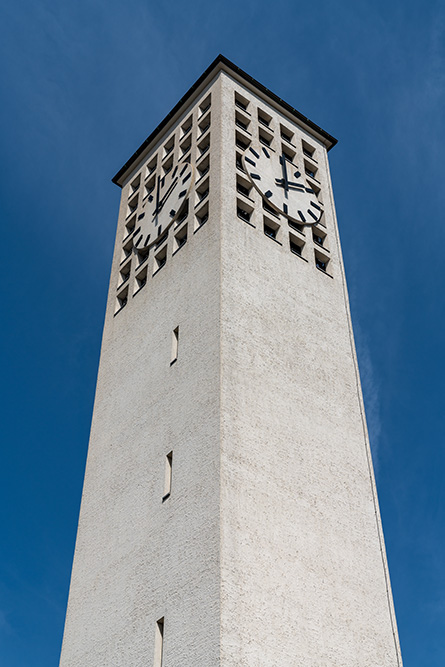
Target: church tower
(229,513)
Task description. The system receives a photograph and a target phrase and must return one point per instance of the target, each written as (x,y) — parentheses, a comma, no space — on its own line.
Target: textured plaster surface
(302,573)
(137,558)
(269,551)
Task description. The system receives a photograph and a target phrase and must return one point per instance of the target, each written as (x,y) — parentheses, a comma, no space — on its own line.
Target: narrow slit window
(175,343)
(159,642)
(168,476)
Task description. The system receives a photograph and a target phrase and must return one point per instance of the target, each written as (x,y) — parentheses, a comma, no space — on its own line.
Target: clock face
(164,205)
(282,185)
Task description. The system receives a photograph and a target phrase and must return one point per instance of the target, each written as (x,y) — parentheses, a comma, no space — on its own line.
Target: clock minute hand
(285,179)
(155,214)
(161,203)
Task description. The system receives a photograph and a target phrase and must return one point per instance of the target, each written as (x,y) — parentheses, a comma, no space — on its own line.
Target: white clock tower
(229,513)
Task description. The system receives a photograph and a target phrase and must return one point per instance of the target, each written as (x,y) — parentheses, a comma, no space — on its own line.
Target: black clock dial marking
(315,205)
(254,153)
(250,161)
(265,153)
(302,218)
(268,194)
(256,176)
(313,215)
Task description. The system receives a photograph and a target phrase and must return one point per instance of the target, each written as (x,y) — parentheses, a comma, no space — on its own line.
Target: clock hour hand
(291,185)
(296,186)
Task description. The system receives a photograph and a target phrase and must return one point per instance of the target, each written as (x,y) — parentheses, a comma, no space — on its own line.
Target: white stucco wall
(302,572)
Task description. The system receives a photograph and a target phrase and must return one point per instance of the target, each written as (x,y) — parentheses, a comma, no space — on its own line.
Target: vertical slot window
(175,344)
(168,476)
(159,642)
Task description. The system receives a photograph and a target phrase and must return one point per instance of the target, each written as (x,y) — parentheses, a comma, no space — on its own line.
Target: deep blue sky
(83,84)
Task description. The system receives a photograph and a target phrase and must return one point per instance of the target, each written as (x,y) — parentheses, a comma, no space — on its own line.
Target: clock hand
(161,203)
(290,184)
(157,192)
(285,180)
(155,214)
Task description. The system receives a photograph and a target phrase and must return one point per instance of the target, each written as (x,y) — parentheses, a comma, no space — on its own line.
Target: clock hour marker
(311,192)
(182,194)
(297,174)
(254,152)
(183,169)
(302,218)
(268,194)
(315,205)
(174,171)
(312,214)
(266,153)
(256,176)
(172,212)
(184,180)
(285,209)
(250,161)
(147,240)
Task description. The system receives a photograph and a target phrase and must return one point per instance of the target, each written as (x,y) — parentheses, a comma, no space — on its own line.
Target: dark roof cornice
(222,63)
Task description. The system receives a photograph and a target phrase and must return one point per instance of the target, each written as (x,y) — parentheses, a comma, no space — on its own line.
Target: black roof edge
(231,66)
